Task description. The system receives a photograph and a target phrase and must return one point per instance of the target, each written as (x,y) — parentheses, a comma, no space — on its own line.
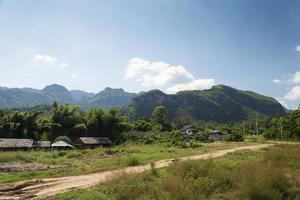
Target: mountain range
(28,97)
(220,103)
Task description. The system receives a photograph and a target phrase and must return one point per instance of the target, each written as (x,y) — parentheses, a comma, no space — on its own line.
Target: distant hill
(110,97)
(58,93)
(221,103)
(28,97)
(23,97)
(80,96)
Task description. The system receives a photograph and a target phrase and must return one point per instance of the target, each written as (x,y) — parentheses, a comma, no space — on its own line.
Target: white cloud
(49,60)
(164,76)
(297,48)
(296,78)
(73,75)
(198,84)
(276,81)
(45,59)
(292,97)
(293,94)
(282,102)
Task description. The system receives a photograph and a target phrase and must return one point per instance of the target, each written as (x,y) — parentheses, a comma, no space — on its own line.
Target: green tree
(94,122)
(68,120)
(159,114)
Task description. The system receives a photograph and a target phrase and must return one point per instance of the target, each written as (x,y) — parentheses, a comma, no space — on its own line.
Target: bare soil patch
(26,167)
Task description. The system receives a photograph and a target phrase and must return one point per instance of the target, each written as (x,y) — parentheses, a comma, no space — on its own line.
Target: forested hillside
(221,104)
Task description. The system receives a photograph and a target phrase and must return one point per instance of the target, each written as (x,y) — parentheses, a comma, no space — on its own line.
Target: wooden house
(42,144)
(14,144)
(92,142)
(216,135)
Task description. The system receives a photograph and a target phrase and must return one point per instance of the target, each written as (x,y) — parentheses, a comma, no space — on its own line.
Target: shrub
(111,151)
(63,138)
(194,144)
(254,138)
(234,137)
(260,139)
(62,153)
(132,161)
(153,170)
(203,137)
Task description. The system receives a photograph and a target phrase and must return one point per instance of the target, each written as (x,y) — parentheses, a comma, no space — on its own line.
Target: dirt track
(52,186)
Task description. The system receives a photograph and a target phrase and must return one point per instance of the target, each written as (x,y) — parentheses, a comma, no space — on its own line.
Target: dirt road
(52,186)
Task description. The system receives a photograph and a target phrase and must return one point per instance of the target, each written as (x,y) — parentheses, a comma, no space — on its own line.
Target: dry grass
(268,174)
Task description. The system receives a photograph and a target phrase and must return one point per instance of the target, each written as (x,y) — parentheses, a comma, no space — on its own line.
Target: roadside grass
(268,174)
(73,162)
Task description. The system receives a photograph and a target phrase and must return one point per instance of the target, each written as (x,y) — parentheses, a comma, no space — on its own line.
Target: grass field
(26,165)
(269,174)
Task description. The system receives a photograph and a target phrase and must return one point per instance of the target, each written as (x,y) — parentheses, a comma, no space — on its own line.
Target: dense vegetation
(284,127)
(71,122)
(221,104)
(274,176)
(49,123)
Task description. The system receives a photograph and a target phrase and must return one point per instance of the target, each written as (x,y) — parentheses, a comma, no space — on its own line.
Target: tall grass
(272,176)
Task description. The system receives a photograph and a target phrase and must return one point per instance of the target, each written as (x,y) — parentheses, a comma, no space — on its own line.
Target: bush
(111,151)
(194,144)
(234,137)
(132,161)
(254,138)
(203,137)
(63,138)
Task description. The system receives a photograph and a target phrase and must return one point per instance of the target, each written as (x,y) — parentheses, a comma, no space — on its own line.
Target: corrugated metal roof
(15,143)
(42,144)
(61,144)
(95,140)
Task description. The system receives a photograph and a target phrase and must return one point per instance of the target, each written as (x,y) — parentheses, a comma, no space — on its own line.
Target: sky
(139,45)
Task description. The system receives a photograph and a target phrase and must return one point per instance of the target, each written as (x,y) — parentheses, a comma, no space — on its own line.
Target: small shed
(42,144)
(61,145)
(12,143)
(216,135)
(94,141)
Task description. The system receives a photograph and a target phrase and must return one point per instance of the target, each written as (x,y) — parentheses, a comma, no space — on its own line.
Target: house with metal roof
(190,130)
(61,145)
(12,143)
(216,135)
(94,141)
(42,144)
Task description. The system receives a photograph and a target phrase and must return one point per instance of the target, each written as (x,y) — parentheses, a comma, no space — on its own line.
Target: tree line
(68,120)
(286,127)
(71,122)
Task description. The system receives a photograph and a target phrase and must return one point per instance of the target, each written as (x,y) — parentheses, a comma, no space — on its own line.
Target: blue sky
(139,45)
